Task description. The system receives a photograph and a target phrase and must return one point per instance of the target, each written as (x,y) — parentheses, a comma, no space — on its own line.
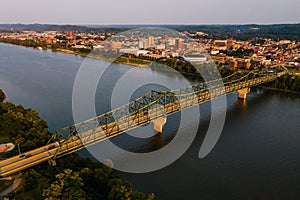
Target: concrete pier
(243,93)
(159,124)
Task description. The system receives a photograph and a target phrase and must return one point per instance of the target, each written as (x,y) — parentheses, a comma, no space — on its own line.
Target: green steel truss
(144,109)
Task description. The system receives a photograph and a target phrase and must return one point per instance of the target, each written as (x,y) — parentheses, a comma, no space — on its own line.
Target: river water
(256,157)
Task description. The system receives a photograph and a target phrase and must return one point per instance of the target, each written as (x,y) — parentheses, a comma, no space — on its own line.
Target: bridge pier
(159,124)
(243,93)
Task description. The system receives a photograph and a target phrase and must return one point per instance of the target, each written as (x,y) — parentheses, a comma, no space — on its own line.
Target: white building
(195,58)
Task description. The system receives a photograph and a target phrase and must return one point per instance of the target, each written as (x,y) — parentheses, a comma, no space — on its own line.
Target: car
(25,155)
(28,155)
(22,156)
(51,147)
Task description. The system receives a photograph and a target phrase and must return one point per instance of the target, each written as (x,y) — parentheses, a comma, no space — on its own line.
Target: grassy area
(138,61)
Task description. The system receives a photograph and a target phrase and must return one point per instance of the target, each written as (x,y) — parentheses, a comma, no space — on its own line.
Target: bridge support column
(243,93)
(159,124)
(52,162)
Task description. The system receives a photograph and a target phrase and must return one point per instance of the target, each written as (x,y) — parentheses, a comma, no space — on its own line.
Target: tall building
(144,44)
(171,42)
(178,44)
(141,44)
(151,41)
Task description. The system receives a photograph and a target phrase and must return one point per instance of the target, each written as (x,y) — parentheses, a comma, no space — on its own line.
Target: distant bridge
(154,107)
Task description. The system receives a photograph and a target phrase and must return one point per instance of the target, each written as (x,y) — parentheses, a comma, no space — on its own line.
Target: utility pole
(19,149)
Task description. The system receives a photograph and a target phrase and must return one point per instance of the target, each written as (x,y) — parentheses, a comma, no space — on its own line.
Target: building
(178,44)
(194,58)
(239,63)
(220,43)
(230,43)
(151,41)
(233,64)
(165,38)
(69,35)
(115,45)
(161,47)
(243,63)
(143,44)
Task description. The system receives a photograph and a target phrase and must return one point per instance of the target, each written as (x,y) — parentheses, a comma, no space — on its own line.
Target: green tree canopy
(68,186)
(24,127)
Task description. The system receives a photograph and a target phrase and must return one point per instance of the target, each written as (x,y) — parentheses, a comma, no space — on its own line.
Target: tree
(23,126)
(68,186)
(122,190)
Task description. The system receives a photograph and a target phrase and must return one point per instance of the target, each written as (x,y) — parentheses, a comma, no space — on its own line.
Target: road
(17,181)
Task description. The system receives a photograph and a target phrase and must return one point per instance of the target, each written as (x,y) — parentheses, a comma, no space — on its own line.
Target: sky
(150,11)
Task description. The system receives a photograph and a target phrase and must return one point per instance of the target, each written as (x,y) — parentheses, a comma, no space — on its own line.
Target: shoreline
(67,51)
(279,90)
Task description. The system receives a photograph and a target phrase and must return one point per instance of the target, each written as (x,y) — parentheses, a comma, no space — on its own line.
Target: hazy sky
(150,11)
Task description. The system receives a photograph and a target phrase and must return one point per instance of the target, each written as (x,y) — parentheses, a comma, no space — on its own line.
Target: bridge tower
(243,93)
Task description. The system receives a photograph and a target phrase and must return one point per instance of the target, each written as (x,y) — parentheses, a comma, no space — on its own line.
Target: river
(256,157)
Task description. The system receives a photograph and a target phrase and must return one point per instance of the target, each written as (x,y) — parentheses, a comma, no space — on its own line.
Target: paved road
(14,185)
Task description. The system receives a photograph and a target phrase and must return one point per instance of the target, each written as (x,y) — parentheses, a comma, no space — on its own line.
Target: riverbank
(131,62)
(279,90)
(285,83)
(99,57)
(11,186)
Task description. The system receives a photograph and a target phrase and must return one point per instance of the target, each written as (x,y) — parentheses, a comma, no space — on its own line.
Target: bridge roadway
(74,143)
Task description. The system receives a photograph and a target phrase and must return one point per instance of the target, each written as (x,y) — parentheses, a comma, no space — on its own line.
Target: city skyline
(154,12)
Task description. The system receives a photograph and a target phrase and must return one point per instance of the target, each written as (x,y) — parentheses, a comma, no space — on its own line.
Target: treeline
(286,82)
(247,32)
(239,32)
(72,178)
(178,65)
(240,53)
(25,43)
(54,47)
(184,67)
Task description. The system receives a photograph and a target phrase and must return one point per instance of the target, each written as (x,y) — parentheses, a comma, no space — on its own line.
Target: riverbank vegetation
(72,178)
(61,47)
(21,126)
(286,83)
(187,68)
